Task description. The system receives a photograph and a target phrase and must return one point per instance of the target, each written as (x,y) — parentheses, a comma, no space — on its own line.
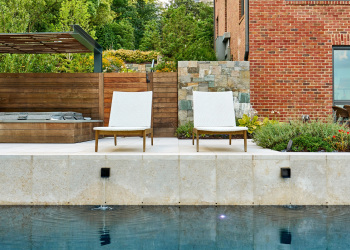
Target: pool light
(105,172)
(285,172)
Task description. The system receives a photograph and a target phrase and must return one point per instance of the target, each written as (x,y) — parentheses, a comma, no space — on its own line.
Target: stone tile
(126,184)
(182,64)
(51,179)
(221,81)
(193,64)
(214,70)
(230,64)
(269,187)
(203,72)
(182,94)
(232,81)
(197,180)
(308,179)
(185,105)
(203,86)
(182,72)
(16,179)
(235,180)
(161,180)
(192,70)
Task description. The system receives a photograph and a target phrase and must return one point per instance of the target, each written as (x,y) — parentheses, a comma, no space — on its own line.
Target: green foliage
(185,131)
(183,31)
(306,136)
(136,56)
(74,12)
(187,32)
(100,12)
(151,39)
(340,141)
(310,143)
(251,123)
(72,63)
(19,63)
(116,35)
(166,67)
(14,17)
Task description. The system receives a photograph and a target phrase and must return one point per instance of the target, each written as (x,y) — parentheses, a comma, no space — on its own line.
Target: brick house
(299,52)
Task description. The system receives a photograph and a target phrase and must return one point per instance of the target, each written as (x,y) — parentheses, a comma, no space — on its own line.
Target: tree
(74,12)
(138,13)
(14,17)
(100,12)
(187,32)
(151,38)
(116,35)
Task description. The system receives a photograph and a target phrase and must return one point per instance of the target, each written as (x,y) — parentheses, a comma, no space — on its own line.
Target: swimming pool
(172,227)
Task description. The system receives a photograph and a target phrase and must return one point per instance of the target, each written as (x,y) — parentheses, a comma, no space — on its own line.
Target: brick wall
(213,77)
(291,55)
(233,24)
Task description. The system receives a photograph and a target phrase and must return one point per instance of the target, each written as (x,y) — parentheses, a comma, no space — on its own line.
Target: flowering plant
(341,141)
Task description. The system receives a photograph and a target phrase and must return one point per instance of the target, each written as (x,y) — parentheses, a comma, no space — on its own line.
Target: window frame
(338,102)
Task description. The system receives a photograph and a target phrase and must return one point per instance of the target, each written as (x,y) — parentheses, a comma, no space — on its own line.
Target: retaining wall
(172,179)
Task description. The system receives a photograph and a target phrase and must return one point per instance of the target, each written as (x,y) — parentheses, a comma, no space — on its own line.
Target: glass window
(341,75)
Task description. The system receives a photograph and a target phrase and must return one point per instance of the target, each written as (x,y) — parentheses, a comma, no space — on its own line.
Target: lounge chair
(130,115)
(341,114)
(213,113)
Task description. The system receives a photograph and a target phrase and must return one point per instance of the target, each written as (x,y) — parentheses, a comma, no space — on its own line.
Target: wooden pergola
(77,41)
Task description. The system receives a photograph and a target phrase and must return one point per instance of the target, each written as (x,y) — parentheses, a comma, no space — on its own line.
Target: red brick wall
(233,23)
(291,55)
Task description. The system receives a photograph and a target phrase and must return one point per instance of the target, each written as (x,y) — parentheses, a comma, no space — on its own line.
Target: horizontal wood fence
(164,87)
(89,94)
(50,92)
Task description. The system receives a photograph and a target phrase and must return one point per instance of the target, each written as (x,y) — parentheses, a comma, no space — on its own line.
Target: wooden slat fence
(165,103)
(50,92)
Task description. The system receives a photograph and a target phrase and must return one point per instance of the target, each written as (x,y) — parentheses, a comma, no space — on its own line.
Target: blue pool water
(172,227)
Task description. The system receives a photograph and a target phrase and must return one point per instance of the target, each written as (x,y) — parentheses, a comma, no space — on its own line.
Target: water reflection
(170,227)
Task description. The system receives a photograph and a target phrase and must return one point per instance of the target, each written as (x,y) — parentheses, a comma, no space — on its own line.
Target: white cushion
(120,128)
(131,109)
(213,109)
(222,129)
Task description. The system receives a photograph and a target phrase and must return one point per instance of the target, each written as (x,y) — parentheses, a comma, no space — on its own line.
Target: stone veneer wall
(139,68)
(212,76)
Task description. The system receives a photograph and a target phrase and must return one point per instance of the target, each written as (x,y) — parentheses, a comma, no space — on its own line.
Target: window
(241,8)
(341,75)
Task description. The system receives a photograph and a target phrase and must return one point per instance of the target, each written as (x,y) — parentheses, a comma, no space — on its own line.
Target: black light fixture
(285,172)
(105,172)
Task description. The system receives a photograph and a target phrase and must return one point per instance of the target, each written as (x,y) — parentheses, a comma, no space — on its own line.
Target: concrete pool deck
(169,173)
(133,145)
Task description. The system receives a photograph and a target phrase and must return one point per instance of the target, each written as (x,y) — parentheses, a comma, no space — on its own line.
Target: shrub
(340,141)
(166,67)
(309,137)
(185,130)
(135,56)
(251,123)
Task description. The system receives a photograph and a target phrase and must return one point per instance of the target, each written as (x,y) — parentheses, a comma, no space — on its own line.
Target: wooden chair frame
(141,133)
(230,133)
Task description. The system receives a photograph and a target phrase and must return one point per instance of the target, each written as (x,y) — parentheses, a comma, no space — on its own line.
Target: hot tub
(46,127)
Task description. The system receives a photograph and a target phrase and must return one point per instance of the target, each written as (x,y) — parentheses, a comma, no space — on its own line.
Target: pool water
(172,227)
